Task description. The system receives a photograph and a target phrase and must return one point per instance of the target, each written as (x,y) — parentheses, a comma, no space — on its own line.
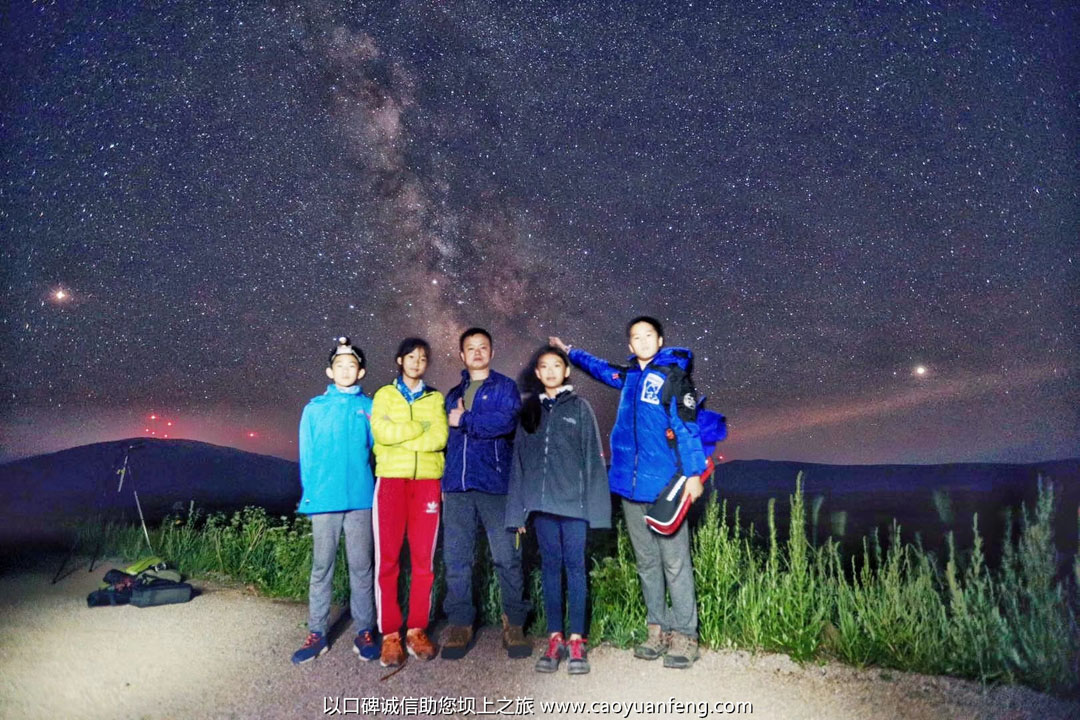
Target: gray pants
(326,532)
(663,564)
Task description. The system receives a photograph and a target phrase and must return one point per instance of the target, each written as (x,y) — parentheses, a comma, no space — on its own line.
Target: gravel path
(226,655)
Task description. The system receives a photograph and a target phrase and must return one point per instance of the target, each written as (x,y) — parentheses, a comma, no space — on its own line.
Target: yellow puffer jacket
(403,447)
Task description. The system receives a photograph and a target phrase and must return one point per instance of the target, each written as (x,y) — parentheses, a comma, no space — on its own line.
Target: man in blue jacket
(482,411)
(655,437)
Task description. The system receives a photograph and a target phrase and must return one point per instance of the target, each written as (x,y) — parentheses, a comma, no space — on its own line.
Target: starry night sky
(818,200)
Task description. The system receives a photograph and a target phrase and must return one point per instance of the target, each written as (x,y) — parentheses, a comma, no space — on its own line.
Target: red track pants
(404,507)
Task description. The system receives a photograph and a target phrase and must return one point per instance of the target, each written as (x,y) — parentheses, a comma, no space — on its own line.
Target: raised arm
(598,368)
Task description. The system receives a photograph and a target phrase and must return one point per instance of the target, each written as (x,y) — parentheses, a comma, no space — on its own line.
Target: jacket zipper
(581,470)
(416,453)
(465,447)
(493,440)
(637,389)
(464,459)
(545,417)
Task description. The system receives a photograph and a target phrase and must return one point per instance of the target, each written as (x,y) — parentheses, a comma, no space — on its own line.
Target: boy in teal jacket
(338,486)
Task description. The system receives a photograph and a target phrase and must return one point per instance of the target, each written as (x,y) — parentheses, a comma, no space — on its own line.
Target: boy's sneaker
(556,651)
(365,646)
(682,652)
(514,640)
(455,641)
(655,645)
(314,646)
(392,654)
(578,664)
(418,644)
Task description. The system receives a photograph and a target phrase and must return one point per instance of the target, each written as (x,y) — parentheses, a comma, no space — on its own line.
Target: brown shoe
(455,641)
(514,640)
(418,644)
(392,654)
(682,652)
(655,645)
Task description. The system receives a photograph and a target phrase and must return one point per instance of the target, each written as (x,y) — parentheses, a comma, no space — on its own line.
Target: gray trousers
(326,531)
(663,564)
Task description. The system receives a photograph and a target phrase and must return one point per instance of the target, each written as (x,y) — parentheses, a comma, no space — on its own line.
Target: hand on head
(557,342)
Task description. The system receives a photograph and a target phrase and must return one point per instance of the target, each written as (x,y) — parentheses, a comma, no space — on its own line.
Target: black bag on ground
(108,596)
(115,589)
(162,592)
(159,586)
(156,585)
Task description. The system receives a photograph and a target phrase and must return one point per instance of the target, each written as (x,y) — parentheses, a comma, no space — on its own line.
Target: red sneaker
(578,663)
(556,651)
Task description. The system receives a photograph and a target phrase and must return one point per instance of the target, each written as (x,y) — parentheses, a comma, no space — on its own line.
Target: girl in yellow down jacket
(408,422)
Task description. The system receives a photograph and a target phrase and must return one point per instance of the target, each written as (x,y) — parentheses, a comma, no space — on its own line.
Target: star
(755,176)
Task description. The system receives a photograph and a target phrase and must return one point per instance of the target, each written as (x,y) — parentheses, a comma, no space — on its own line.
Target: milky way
(815,199)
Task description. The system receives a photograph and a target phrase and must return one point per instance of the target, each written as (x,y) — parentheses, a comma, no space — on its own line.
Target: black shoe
(514,640)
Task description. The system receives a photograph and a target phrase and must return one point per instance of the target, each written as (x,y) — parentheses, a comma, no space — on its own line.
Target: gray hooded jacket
(559,467)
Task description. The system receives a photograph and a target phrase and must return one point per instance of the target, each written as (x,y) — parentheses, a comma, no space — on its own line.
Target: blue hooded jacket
(335,453)
(480,450)
(643,460)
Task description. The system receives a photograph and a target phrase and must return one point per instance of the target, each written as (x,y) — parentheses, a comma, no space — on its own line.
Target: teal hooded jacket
(335,453)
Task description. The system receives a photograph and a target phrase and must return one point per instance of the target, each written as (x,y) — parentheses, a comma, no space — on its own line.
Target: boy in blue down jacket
(338,487)
(655,436)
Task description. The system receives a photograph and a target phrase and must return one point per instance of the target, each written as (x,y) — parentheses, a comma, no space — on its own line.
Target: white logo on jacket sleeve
(650,388)
(572,421)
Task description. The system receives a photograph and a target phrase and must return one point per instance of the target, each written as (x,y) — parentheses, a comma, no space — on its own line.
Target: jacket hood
(564,393)
(680,356)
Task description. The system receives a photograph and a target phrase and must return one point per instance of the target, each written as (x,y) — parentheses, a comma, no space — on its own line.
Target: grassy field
(893,604)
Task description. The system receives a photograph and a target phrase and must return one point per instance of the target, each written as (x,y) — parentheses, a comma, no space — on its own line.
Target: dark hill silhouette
(41,496)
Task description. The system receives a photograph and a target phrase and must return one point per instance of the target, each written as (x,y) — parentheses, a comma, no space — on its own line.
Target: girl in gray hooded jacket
(559,480)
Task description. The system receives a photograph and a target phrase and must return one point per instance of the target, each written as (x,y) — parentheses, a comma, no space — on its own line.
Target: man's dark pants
(461,511)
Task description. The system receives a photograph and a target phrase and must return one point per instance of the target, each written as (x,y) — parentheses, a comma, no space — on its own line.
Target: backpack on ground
(160,586)
(146,583)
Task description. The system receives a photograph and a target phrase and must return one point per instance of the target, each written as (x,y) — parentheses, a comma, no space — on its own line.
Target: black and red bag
(156,585)
(668,511)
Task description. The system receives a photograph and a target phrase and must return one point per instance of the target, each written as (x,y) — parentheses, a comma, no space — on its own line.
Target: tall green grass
(894,604)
